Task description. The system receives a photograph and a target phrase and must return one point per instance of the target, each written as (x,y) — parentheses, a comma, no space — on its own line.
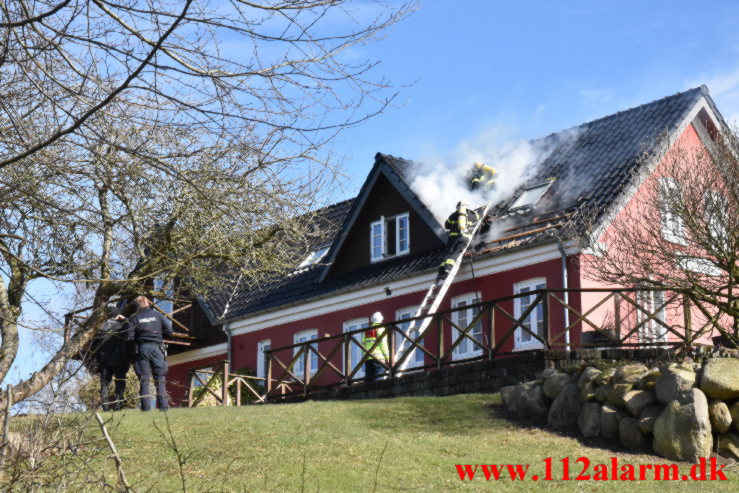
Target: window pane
(402,232)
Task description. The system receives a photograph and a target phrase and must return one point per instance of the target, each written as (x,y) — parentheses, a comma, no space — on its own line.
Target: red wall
(244,347)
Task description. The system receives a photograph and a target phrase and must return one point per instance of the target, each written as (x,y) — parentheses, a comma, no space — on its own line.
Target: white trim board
(196,354)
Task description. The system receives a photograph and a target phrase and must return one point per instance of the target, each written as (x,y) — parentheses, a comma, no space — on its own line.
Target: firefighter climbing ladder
(435,295)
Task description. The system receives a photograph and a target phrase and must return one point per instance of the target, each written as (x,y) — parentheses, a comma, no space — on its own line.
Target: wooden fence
(613,318)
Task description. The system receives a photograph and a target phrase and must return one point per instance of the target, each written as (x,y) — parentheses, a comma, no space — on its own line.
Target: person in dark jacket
(112,361)
(459,225)
(147,329)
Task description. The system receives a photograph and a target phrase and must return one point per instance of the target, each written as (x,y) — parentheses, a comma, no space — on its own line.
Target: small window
(377,240)
(530,196)
(165,303)
(314,257)
(673,227)
(390,237)
(716,207)
(300,337)
(402,235)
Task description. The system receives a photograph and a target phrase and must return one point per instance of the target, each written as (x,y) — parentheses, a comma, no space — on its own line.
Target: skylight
(531,195)
(314,257)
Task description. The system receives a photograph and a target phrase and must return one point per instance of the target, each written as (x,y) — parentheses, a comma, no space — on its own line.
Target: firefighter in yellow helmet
(380,352)
(459,224)
(482,176)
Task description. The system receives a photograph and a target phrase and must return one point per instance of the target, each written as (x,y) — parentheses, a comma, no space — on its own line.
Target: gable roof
(593,163)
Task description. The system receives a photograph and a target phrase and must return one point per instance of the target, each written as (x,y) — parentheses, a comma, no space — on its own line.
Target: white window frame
(466,348)
(308,334)
(355,354)
(407,249)
(541,188)
(261,345)
(418,357)
(167,306)
(718,229)
(651,331)
(383,239)
(315,256)
(673,228)
(532,285)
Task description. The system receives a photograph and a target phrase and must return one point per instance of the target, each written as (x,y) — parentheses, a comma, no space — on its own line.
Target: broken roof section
(588,167)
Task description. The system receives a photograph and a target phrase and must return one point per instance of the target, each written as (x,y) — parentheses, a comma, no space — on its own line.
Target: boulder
(673,380)
(720,417)
(565,409)
(601,393)
(720,378)
(683,430)
(734,411)
(617,393)
(587,376)
(530,401)
(728,445)
(554,383)
(648,416)
(506,395)
(587,392)
(629,373)
(589,419)
(605,376)
(630,435)
(545,374)
(637,400)
(648,380)
(609,418)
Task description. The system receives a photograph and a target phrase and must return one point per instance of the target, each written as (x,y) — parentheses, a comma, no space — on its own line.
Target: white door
(356,353)
(262,346)
(462,318)
(403,344)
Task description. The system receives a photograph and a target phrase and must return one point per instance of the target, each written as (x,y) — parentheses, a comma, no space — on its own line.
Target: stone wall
(681,410)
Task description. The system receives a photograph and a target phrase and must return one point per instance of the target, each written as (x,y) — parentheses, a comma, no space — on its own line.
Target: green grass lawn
(407,444)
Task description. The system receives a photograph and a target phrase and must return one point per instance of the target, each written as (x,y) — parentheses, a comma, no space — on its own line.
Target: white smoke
(440,182)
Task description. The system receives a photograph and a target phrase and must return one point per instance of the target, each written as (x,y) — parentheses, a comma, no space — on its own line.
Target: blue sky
(525,69)
(536,67)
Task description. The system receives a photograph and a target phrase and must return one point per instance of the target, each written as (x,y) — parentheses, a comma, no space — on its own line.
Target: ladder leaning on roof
(433,298)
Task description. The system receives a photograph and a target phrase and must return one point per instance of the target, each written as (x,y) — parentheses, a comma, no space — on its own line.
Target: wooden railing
(616,318)
(238,390)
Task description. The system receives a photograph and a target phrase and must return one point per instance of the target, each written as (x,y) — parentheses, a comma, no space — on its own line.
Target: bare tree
(680,230)
(166,140)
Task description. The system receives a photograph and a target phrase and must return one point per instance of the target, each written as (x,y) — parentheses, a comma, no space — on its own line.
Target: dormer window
(530,196)
(314,257)
(390,237)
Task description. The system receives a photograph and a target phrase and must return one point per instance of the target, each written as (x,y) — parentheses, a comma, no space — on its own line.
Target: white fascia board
(646,172)
(196,354)
(419,283)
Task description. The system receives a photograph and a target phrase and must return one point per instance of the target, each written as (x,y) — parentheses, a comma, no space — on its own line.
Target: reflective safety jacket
(482,176)
(460,222)
(369,337)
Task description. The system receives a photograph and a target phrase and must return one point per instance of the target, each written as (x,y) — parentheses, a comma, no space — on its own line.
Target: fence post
(617,315)
(269,372)
(440,342)
(238,391)
(491,335)
(306,367)
(224,385)
(347,359)
(687,318)
(391,349)
(191,389)
(544,299)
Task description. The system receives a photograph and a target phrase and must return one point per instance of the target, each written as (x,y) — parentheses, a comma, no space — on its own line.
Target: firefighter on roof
(459,224)
(482,176)
(380,352)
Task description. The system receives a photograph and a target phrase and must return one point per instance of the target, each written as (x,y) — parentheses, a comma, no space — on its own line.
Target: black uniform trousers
(112,368)
(151,362)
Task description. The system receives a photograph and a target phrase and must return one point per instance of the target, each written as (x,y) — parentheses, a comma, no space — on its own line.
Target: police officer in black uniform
(110,353)
(147,328)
